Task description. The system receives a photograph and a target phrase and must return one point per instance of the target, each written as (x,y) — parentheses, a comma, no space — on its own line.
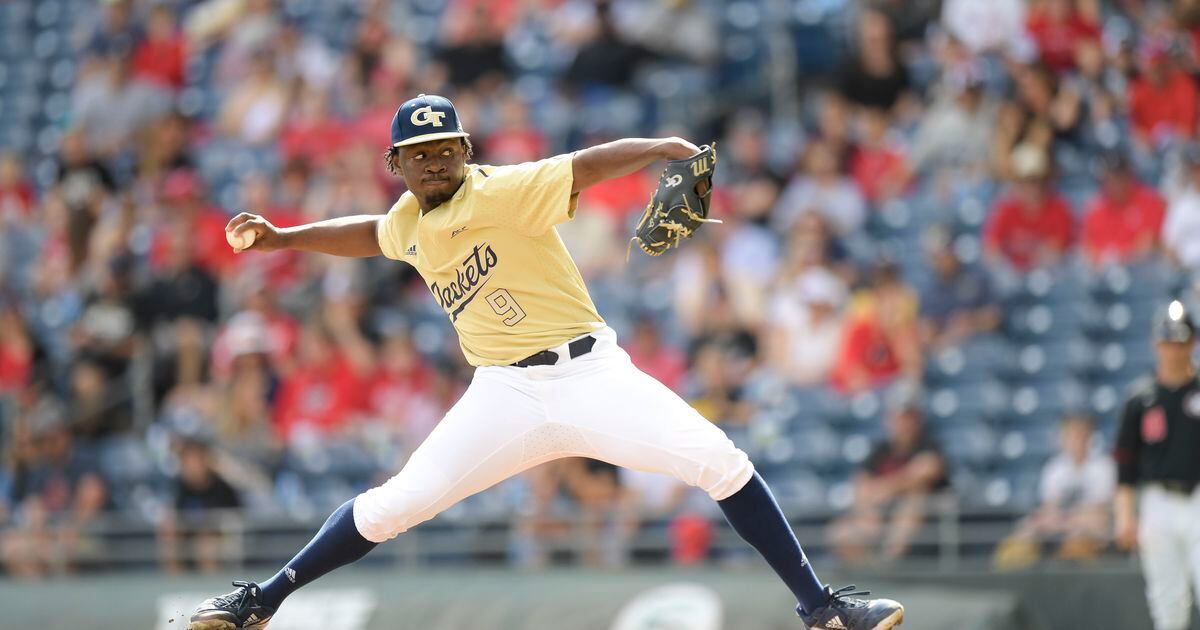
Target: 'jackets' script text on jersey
(473,273)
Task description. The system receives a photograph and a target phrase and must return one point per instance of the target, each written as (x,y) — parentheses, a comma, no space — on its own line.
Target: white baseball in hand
(240,240)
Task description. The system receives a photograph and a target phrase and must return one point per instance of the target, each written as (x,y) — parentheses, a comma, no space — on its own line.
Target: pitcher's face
(433,170)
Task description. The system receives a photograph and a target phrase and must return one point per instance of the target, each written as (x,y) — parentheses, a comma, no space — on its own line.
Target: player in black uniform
(1158,470)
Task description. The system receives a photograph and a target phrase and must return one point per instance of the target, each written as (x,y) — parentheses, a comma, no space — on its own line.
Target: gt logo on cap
(426,116)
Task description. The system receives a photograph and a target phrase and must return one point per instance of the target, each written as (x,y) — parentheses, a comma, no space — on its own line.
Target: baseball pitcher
(550,380)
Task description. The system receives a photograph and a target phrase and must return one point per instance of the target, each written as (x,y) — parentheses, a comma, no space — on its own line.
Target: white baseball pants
(510,419)
(1169,543)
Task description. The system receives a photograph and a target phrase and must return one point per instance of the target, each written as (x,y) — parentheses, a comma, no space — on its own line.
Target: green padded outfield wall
(709,599)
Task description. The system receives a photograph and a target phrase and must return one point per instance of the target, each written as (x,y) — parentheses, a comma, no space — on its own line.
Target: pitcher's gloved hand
(680,203)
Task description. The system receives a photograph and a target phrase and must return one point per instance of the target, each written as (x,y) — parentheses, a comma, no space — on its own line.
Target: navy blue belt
(576,348)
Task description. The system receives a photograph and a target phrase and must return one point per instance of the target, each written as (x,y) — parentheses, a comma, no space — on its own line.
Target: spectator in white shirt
(986,25)
(805,326)
(956,132)
(1076,488)
(1181,229)
(824,189)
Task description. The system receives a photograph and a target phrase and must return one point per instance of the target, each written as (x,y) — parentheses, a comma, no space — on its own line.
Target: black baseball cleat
(243,608)
(844,611)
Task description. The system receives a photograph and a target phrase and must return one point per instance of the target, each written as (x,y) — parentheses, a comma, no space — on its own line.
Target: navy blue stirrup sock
(756,517)
(336,545)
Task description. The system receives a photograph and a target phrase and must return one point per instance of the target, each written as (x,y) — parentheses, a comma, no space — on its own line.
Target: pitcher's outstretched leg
(756,517)
(337,544)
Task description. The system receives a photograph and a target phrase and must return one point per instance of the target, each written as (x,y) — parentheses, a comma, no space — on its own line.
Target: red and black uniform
(1158,441)
(1158,450)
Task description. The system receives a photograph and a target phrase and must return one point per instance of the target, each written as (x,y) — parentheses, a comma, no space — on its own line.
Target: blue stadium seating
(967,443)
(1072,339)
(966,402)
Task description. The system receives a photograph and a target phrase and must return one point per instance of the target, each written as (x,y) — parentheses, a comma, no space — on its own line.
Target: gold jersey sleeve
(494,262)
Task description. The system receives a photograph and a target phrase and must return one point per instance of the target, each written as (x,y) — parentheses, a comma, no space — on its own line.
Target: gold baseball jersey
(494,262)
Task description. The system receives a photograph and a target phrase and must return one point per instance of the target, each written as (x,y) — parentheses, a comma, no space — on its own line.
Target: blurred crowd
(891,173)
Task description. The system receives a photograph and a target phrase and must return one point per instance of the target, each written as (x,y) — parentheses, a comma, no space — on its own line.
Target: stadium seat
(1042,321)
(1147,282)
(839,493)
(966,401)
(949,366)
(298,9)
(56,107)
(46,44)
(971,212)
(128,467)
(802,489)
(994,491)
(1044,401)
(62,75)
(1078,191)
(1073,167)
(48,13)
(820,447)
(1105,400)
(967,443)
(856,445)
(48,138)
(1120,320)
(976,359)
(1057,359)
(1013,488)
(1030,442)
(893,220)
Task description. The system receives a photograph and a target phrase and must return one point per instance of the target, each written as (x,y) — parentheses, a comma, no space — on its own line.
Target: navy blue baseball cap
(427,117)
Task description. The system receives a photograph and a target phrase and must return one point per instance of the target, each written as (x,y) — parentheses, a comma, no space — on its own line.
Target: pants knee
(725,471)
(382,513)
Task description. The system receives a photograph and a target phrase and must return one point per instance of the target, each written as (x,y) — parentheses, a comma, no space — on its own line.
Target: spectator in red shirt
(500,14)
(1058,28)
(1123,221)
(384,88)
(1162,100)
(161,57)
(648,352)
(311,132)
(620,197)
(16,193)
(878,165)
(515,140)
(16,352)
(400,394)
(879,342)
(1031,226)
(281,268)
(324,389)
(184,202)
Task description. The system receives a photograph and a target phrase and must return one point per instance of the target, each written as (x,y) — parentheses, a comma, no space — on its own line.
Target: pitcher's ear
(389,158)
